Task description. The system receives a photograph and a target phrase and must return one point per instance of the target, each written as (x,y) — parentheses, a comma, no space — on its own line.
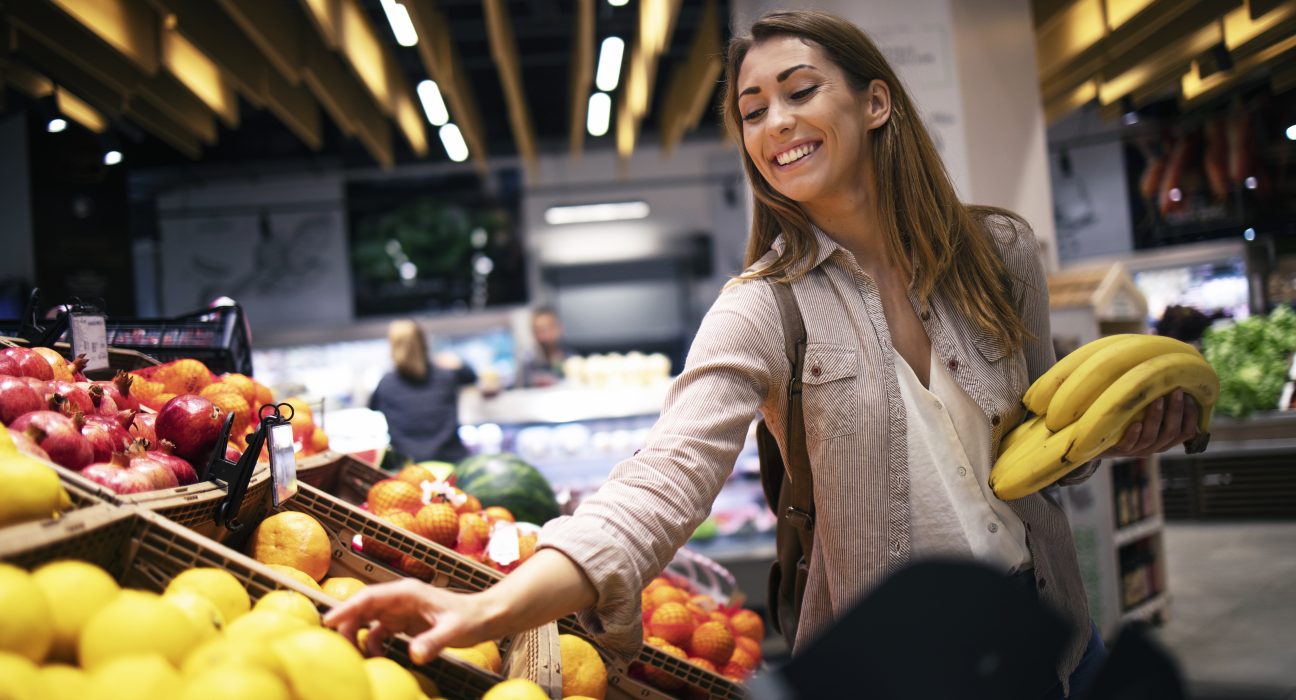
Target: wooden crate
(142,550)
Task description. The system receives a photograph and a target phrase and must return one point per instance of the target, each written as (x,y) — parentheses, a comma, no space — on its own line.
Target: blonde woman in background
(420,398)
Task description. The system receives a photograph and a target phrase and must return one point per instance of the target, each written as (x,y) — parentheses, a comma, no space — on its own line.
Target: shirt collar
(825,246)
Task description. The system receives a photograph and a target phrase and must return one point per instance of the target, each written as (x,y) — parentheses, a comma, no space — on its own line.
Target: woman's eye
(754,114)
(804,93)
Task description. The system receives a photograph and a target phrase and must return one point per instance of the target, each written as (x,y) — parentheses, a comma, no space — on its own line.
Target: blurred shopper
(543,366)
(420,399)
(927,319)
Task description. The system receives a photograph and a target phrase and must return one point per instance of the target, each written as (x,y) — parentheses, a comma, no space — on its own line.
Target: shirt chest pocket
(830,390)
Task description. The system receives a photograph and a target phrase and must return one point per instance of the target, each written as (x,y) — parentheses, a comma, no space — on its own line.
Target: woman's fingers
(428,645)
(1151,428)
(1171,423)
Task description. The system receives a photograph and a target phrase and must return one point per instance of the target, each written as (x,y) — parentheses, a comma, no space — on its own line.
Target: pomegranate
(103,403)
(192,423)
(117,476)
(143,427)
(233,453)
(106,435)
(17,398)
(165,454)
(8,367)
(119,390)
(27,447)
(78,399)
(58,435)
(29,363)
(159,474)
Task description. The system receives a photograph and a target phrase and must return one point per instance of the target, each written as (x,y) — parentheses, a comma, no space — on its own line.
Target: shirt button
(993,527)
(994,420)
(925,315)
(953,365)
(816,371)
(962,471)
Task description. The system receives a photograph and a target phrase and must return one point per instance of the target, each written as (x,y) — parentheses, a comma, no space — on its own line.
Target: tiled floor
(1232,622)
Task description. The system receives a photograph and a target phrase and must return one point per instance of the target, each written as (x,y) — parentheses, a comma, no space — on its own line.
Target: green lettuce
(1252,357)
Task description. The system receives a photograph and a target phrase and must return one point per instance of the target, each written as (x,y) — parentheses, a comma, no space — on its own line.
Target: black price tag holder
(274,429)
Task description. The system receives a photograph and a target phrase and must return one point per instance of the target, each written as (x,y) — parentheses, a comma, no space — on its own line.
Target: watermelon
(505,480)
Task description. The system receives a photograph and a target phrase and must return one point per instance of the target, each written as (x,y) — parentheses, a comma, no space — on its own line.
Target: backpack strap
(801,513)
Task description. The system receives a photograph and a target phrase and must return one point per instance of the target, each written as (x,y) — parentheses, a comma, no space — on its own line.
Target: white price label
(503,547)
(283,462)
(90,338)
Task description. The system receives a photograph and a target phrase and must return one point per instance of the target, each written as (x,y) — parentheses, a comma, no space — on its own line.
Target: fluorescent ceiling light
(588,213)
(433,106)
(609,65)
(112,157)
(599,113)
(617,3)
(400,22)
(454,144)
(56,125)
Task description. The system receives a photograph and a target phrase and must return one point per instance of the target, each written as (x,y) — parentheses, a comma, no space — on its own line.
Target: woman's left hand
(1170,420)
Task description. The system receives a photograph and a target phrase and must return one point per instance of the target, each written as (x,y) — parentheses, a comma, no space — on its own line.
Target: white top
(953,512)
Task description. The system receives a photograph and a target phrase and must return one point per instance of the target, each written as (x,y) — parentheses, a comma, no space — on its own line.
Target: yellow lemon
(137,622)
(218,586)
(26,623)
(583,670)
(136,677)
(232,683)
(490,650)
(32,490)
(296,574)
(389,681)
(290,603)
(263,625)
(63,682)
(342,587)
(516,689)
(468,655)
(199,609)
(76,590)
(236,653)
(322,665)
(22,679)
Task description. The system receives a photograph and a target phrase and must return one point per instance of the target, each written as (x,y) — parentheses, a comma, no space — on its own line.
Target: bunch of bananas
(1083,405)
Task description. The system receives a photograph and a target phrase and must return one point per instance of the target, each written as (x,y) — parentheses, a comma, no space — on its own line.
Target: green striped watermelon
(505,480)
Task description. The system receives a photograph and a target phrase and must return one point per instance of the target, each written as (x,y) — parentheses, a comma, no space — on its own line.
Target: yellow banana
(1041,392)
(1106,420)
(1029,432)
(1032,467)
(1104,367)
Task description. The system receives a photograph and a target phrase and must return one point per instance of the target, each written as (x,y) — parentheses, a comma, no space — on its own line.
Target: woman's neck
(852,222)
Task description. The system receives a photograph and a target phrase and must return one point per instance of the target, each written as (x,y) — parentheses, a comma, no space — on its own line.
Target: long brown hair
(408,349)
(949,247)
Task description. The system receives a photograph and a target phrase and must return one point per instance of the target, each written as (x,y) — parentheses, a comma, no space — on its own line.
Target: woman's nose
(780,120)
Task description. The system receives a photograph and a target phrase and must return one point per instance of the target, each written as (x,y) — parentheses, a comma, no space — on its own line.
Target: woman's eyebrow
(781,77)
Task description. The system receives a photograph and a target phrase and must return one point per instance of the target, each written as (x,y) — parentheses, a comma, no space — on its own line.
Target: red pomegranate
(58,435)
(119,390)
(16,398)
(164,454)
(117,476)
(104,404)
(27,447)
(233,453)
(159,474)
(8,367)
(107,435)
(77,399)
(144,427)
(191,422)
(30,364)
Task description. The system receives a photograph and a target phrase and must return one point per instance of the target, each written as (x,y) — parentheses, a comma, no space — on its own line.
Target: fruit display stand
(142,550)
(1116,516)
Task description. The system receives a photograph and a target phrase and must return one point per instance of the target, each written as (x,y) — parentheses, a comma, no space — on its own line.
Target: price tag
(90,338)
(283,463)
(503,547)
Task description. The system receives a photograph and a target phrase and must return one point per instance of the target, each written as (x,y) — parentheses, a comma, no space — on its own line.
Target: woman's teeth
(795,154)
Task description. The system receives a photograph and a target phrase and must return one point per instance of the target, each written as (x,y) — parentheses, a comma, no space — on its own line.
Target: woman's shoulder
(1012,235)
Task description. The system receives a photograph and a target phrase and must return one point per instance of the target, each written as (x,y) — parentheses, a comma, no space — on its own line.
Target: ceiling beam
(295,107)
(504,49)
(689,91)
(359,44)
(275,29)
(128,26)
(346,102)
(214,32)
(582,73)
(61,32)
(201,76)
(657,19)
(441,60)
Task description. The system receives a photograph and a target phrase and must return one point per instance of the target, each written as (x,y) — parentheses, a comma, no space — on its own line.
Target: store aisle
(1232,621)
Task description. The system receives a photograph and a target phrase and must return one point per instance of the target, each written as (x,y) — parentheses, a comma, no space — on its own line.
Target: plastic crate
(340,475)
(144,551)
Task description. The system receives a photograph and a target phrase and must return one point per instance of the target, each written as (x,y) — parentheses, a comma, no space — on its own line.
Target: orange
(185,376)
(712,641)
(303,421)
(526,545)
(746,623)
(494,513)
(394,494)
(243,384)
(734,672)
(474,533)
(342,587)
(293,539)
(231,402)
(295,574)
(751,646)
(415,567)
(717,616)
(470,505)
(583,670)
(400,519)
(319,441)
(673,622)
(698,613)
(416,474)
(655,584)
(703,663)
(667,594)
(744,658)
(438,522)
(658,677)
(263,396)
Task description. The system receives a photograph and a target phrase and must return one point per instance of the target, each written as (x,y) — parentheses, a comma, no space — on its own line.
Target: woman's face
(803,125)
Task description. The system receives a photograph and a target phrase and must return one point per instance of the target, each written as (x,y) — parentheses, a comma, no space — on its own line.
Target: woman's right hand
(434,618)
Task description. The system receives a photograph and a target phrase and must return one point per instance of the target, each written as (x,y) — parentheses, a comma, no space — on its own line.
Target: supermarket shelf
(1139,530)
(1147,609)
(561,404)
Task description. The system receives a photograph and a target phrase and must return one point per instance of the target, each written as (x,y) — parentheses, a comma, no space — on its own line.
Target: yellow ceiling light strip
(582,74)
(324,13)
(1121,11)
(359,43)
(200,75)
(656,23)
(1239,28)
(1166,61)
(77,110)
(504,51)
(128,26)
(1068,34)
(694,81)
(1193,86)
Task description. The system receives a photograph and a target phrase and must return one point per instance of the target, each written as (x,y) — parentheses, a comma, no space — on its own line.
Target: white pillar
(970,67)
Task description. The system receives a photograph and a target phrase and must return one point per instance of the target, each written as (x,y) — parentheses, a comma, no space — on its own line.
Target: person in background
(544,365)
(420,398)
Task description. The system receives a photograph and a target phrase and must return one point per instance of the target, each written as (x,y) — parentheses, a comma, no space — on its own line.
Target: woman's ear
(877,103)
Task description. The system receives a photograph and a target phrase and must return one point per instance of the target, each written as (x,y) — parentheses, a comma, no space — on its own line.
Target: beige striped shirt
(628,531)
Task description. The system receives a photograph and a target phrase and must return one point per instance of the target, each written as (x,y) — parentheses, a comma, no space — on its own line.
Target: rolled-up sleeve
(626,532)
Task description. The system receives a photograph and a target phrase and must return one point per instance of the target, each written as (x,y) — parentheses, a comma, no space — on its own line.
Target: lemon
(236,653)
(199,609)
(389,681)
(231,683)
(76,590)
(490,650)
(32,490)
(290,603)
(22,680)
(135,677)
(583,670)
(322,665)
(468,655)
(297,575)
(64,682)
(516,689)
(137,622)
(27,623)
(263,625)
(218,586)
(342,587)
